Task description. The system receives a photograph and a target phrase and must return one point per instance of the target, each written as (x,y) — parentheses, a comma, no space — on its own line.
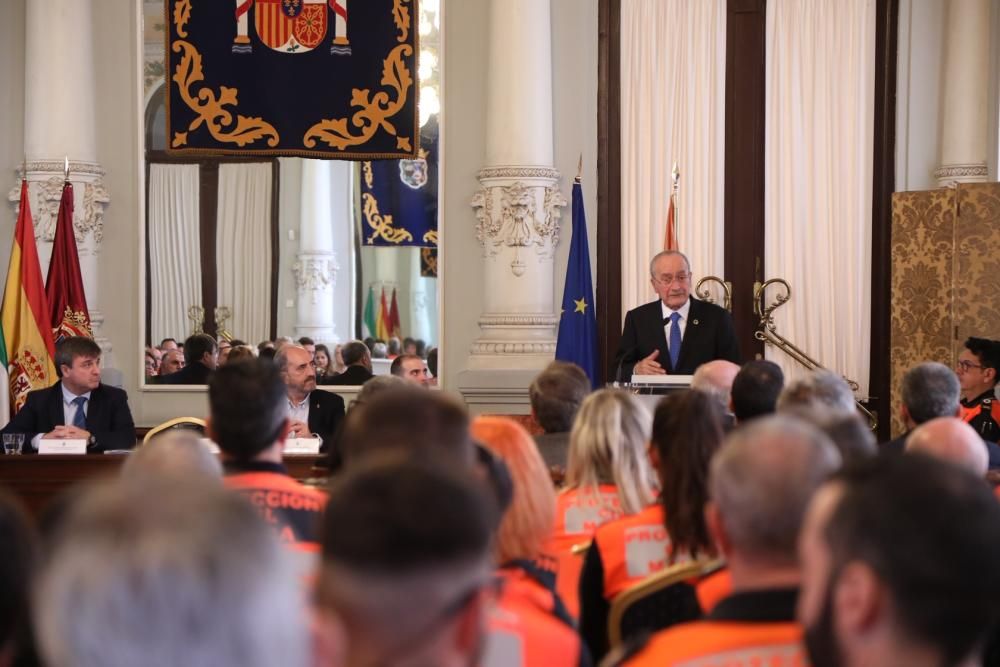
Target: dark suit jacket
(709,335)
(109,419)
(196,373)
(326,410)
(352,375)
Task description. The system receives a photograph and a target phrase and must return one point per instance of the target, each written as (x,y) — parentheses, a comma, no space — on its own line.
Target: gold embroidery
(381,225)
(182,14)
(366,169)
(401,15)
(431,237)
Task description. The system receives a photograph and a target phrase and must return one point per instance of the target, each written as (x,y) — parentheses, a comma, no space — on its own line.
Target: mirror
(254,249)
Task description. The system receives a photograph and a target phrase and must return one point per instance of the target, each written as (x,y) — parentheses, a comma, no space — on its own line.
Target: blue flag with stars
(578,323)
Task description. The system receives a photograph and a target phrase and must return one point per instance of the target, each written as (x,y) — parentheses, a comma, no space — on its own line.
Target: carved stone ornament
(507,347)
(45,195)
(518,223)
(315,273)
(964,173)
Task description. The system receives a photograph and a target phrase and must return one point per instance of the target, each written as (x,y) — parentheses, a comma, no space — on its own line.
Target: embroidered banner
(399,197)
(300,78)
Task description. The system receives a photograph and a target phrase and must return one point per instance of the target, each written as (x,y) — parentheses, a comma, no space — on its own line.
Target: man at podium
(676,333)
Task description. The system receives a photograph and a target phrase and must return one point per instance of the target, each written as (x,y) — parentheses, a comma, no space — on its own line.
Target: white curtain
(174,249)
(243,248)
(673,67)
(820,75)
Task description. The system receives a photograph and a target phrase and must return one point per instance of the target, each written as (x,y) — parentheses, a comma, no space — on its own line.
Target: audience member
(393,348)
(556,394)
(338,360)
(715,378)
(310,411)
(369,343)
(608,476)
(950,439)
(177,452)
(151,361)
(377,385)
(281,341)
(18,555)
(224,348)
(406,566)
(309,345)
(241,353)
(169,344)
(173,361)
(358,366)
(928,390)
(201,358)
(265,345)
(411,368)
(379,351)
(248,420)
(978,365)
(421,350)
(850,434)
(165,573)
(820,390)
(529,617)
(409,346)
(432,361)
(899,558)
(687,430)
(760,484)
(756,389)
(322,361)
(78,406)
(267,354)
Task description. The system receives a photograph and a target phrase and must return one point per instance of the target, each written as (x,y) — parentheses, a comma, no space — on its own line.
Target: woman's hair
(240,353)
(329,359)
(687,431)
(607,445)
(527,523)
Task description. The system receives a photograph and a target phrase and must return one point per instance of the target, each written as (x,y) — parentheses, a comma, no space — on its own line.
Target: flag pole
(675,177)
(65,169)
(579,171)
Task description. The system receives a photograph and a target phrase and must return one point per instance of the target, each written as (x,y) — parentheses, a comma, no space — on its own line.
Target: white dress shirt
(682,323)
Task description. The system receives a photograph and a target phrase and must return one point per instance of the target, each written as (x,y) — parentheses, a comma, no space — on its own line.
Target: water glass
(13,443)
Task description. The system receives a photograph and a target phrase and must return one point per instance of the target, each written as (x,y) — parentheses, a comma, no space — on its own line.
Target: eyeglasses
(668,278)
(964,365)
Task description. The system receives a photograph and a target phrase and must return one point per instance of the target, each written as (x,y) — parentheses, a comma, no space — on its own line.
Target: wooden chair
(658,601)
(190,423)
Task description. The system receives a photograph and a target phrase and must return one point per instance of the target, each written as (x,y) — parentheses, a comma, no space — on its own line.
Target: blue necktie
(675,339)
(80,418)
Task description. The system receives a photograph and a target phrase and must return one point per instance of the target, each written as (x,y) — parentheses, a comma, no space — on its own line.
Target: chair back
(188,423)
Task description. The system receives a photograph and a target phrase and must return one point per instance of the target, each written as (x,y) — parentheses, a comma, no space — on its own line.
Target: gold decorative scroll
(382,226)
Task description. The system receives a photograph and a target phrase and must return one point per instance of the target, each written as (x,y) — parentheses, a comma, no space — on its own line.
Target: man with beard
(760,484)
(899,558)
(310,411)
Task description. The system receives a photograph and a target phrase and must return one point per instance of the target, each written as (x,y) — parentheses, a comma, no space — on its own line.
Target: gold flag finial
(675,177)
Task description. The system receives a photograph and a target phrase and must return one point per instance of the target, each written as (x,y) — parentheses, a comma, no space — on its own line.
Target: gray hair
(168,573)
(281,355)
(179,452)
(379,351)
(667,253)
(820,389)
(378,385)
(715,378)
(762,480)
(930,390)
(353,351)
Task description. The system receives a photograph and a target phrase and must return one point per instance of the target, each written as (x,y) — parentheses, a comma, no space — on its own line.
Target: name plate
(302,446)
(665,380)
(68,446)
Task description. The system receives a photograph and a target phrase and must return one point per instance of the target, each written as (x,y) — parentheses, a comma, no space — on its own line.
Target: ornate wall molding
(486,347)
(45,195)
(315,273)
(518,172)
(511,216)
(518,320)
(966,173)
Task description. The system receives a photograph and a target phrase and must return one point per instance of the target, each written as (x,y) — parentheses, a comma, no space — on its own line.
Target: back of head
(196,346)
(687,431)
(930,390)
(929,532)
(17,559)
(848,432)
(167,573)
(715,378)
(394,346)
(379,350)
(398,529)
(353,352)
(951,439)
(607,445)
(527,523)
(246,403)
(756,389)
(423,423)
(240,353)
(177,452)
(762,479)
(819,390)
(377,385)
(556,394)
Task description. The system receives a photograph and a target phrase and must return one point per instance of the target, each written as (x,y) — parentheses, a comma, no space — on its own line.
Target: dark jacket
(352,375)
(194,373)
(109,419)
(326,410)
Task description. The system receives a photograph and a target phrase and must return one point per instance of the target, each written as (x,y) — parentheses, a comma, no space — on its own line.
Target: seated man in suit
(78,406)
(358,360)
(310,411)
(201,357)
(556,394)
(676,333)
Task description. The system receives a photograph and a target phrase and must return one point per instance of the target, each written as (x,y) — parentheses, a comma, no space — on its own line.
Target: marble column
(59,123)
(964,125)
(518,208)
(326,216)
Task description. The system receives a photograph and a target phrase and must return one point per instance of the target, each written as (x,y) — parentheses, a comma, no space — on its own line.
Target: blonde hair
(608,446)
(527,523)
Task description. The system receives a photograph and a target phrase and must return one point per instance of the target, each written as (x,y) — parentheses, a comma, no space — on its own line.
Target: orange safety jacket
(578,514)
(632,548)
(983,414)
(713,588)
(529,626)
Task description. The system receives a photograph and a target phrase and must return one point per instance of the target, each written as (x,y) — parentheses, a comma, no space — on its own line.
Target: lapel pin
(694,321)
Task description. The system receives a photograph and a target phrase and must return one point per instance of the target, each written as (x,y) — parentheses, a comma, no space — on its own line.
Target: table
(36,479)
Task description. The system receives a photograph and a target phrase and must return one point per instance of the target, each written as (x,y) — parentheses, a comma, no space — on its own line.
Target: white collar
(683,310)
(68,396)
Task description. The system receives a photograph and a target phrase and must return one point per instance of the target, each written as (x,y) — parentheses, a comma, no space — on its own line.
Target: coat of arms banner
(304,78)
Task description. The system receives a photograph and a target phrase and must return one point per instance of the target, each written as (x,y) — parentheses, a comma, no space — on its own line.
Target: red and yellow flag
(68,314)
(382,323)
(670,238)
(27,337)
(395,327)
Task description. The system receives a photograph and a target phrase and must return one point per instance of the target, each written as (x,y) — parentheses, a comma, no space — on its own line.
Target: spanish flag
(382,320)
(27,351)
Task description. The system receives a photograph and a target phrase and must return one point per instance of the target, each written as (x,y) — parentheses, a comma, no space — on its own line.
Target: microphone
(629,351)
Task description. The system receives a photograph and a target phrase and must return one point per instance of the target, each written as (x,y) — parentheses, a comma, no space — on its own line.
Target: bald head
(761,481)
(715,378)
(952,440)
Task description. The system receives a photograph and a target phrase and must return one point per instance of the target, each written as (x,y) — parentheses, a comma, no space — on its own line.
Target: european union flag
(578,324)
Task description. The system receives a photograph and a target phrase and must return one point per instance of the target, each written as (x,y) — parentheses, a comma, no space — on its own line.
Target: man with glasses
(676,333)
(977,374)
